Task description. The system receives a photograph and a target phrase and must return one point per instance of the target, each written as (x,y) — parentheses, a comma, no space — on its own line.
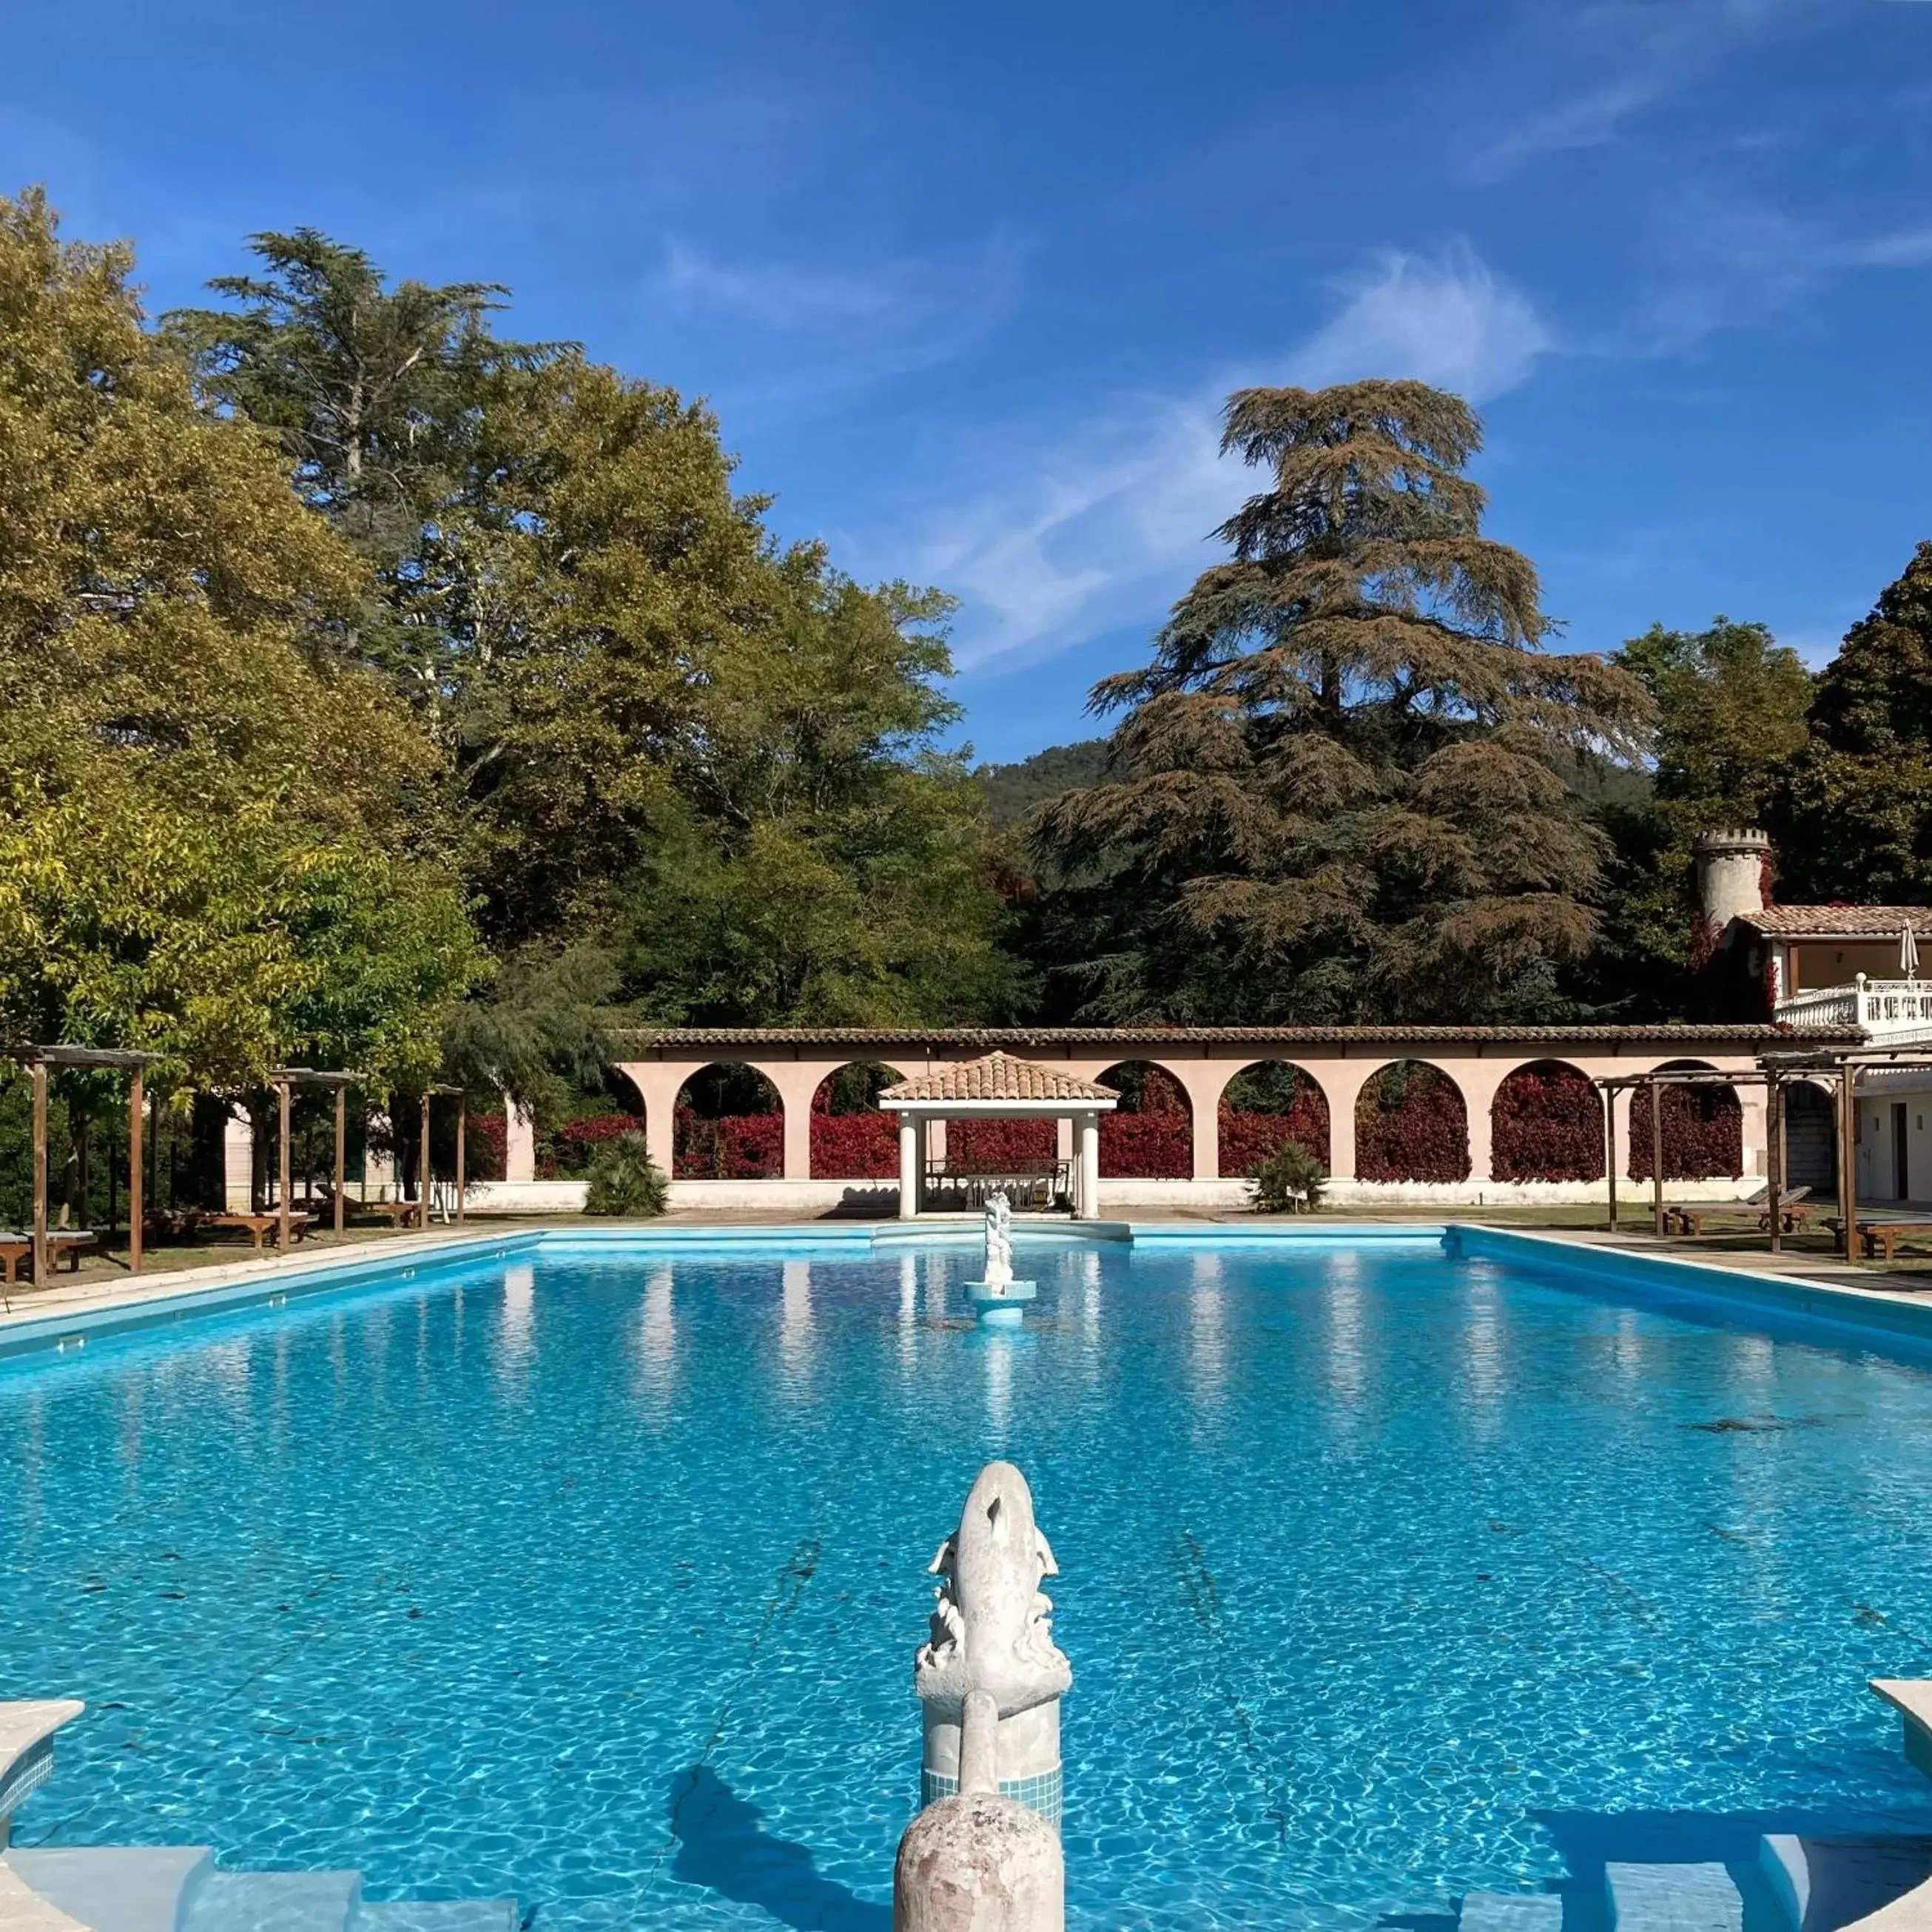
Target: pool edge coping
(119,1307)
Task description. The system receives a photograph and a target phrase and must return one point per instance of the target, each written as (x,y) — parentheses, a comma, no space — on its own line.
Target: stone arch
(852,1139)
(1267,1102)
(1150,1136)
(1810,1137)
(1411,1123)
(1546,1123)
(1703,1129)
(728,1124)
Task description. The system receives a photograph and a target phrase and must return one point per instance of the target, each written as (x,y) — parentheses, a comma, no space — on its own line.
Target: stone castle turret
(1733,878)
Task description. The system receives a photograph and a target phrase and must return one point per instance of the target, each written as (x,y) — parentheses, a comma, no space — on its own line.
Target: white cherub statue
(999,1242)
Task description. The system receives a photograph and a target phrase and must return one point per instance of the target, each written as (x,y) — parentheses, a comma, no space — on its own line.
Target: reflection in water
(1626,1349)
(1090,1297)
(515,1335)
(908,1311)
(796,1338)
(1482,1358)
(657,1339)
(998,1352)
(1208,1330)
(1348,1366)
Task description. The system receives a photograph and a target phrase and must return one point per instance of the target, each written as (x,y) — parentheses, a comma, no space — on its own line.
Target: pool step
(1673,1898)
(460,1914)
(1826,1885)
(1512,1911)
(113,1887)
(251,1901)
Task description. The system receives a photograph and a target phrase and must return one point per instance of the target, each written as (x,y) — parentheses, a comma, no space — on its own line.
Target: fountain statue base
(1000,1303)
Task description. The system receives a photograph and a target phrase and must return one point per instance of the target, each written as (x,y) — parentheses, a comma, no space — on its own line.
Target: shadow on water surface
(722,1845)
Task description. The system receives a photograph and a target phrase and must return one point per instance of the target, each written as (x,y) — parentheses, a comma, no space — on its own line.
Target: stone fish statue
(992,1627)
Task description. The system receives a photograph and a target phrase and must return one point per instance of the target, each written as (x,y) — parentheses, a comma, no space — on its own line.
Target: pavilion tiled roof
(998,1076)
(1839,921)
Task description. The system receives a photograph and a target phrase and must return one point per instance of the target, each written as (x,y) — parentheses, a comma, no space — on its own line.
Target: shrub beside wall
(1265,1105)
(734,1147)
(1000,1147)
(855,1147)
(1547,1124)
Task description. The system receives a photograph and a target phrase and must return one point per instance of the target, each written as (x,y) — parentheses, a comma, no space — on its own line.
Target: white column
(520,1142)
(909,1166)
(1087,1197)
(237,1162)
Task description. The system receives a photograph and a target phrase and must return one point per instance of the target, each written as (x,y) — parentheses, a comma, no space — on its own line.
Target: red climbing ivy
(1411,1125)
(1547,1125)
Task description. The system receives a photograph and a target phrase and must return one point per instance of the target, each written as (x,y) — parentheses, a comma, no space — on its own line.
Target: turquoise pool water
(594,1576)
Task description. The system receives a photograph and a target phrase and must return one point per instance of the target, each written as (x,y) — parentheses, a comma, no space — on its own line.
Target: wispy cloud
(846,325)
(1629,55)
(1107,525)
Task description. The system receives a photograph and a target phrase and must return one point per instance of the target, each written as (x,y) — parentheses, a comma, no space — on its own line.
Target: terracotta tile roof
(1742,1039)
(1839,921)
(997,1077)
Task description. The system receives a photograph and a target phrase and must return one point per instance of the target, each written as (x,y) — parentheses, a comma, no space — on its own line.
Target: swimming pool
(593,1574)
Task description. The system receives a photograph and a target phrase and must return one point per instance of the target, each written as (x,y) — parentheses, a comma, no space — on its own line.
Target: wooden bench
(260,1226)
(1881,1238)
(400,1213)
(71,1242)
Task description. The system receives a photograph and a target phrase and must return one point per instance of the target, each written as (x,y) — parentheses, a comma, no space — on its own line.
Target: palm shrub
(624,1180)
(1289,1181)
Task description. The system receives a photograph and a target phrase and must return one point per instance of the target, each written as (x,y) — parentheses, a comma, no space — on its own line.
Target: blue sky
(967,284)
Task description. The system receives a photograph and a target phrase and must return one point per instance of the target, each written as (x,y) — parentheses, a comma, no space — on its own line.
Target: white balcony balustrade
(1881,1007)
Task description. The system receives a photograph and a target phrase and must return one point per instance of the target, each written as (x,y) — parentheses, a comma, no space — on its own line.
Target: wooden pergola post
(40,1078)
(137,1205)
(422,1170)
(1610,1150)
(282,1164)
(341,1150)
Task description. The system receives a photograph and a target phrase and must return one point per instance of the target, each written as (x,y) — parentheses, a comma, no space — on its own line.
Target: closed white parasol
(1908,951)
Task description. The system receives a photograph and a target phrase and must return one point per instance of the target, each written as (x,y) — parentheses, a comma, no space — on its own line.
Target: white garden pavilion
(998,1087)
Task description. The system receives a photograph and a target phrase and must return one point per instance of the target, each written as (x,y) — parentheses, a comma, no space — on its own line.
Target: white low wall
(879,1199)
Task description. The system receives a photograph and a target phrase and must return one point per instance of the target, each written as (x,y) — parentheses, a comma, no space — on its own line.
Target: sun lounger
(1689,1217)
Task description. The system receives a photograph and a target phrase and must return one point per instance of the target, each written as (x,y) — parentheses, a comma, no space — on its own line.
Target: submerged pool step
(461,1915)
(1674,1898)
(113,1887)
(1825,1884)
(1512,1911)
(270,1902)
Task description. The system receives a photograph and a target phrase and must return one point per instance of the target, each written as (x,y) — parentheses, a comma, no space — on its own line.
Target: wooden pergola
(1838,1067)
(461,1097)
(37,1060)
(284,1079)
(1653,1083)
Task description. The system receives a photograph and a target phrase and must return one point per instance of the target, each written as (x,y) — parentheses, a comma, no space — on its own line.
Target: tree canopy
(1854,813)
(1335,792)
(212,845)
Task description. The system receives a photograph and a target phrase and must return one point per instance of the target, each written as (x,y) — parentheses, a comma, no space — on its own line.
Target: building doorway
(1901,1175)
